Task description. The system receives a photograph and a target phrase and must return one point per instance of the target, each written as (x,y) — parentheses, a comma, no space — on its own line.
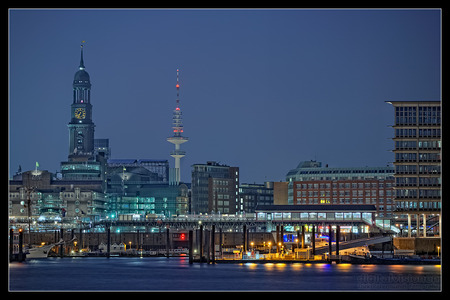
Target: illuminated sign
(180,236)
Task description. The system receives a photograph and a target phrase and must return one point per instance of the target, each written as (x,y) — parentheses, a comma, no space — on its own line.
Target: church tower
(81,127)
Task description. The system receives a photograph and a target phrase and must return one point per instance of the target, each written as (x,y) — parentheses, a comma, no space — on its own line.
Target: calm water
(175,274)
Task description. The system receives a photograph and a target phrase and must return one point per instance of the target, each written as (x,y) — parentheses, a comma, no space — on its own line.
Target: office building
(417,163)
(215,188)
(253,194)
(310,183)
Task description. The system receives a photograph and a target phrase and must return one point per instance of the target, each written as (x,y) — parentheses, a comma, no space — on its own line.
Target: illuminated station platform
(350,216)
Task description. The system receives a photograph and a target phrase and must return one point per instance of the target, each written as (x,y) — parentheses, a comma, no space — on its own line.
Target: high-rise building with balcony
(418,164)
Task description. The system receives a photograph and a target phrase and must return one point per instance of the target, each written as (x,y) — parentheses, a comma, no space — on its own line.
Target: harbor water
(176,274)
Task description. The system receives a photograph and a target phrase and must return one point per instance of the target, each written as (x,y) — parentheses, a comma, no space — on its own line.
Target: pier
(276,232)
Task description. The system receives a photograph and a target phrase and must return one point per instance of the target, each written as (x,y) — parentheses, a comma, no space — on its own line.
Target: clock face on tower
(80,113)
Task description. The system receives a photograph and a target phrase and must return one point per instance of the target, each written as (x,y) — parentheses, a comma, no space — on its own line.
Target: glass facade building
(141,186)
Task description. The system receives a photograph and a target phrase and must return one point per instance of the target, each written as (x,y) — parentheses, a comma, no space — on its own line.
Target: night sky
(259,89)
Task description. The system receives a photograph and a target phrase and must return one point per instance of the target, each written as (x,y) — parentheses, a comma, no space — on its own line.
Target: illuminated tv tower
(177,139)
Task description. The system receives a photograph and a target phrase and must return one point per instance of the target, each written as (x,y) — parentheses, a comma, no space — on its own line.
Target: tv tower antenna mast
(177,139)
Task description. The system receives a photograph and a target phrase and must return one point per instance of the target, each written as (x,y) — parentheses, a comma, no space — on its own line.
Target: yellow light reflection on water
(368,268)
(251,266)
(322,266)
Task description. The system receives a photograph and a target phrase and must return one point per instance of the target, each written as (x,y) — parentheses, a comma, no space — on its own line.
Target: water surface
(176,274)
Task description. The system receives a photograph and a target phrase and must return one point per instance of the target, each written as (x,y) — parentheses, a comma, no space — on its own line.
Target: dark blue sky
(260,89)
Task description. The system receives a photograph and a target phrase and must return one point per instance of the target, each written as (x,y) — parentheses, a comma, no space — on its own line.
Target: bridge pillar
(338,236)
(191,244)
(313,240)
(11,243)
(424,225)
(167,241)
(409,225)
(213,244)
(303,236)
(108,241)
(417,225)
(207,246)
(200,251)
(244,237)
(330,240)
(220,242)
(277,240)
(61,247)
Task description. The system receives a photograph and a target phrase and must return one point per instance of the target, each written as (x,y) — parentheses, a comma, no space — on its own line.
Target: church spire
(81,60)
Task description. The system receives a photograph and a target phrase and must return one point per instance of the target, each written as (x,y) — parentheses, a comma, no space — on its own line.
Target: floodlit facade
(310,183)
(44,198)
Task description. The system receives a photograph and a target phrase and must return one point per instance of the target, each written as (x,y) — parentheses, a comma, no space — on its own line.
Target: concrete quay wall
(419,245)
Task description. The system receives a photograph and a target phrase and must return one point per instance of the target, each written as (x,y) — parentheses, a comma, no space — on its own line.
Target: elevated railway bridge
(266,218)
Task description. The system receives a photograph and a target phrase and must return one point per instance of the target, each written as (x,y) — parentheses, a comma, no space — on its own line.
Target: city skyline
(260,89)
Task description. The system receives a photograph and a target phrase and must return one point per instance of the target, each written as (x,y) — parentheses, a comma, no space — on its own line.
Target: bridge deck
(354,243)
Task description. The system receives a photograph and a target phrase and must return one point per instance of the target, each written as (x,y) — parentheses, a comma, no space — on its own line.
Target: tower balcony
(177,139)
(178,153)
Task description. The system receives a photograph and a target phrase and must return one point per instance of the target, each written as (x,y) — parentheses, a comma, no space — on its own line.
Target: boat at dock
(43,251)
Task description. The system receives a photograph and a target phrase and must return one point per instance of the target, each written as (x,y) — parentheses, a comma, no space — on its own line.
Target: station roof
(316,208)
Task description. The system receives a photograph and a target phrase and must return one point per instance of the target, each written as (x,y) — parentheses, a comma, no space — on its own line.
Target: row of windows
(412,169)
(346,171)
(413,120)
(413,157)
(420,204)
(413,144)
(50,196)
(425,115)
(343,201)
(344,193)
(423,181)
(314,216)
(342,185)
(410,132)
(413,193)
(220,182)
(389,176)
